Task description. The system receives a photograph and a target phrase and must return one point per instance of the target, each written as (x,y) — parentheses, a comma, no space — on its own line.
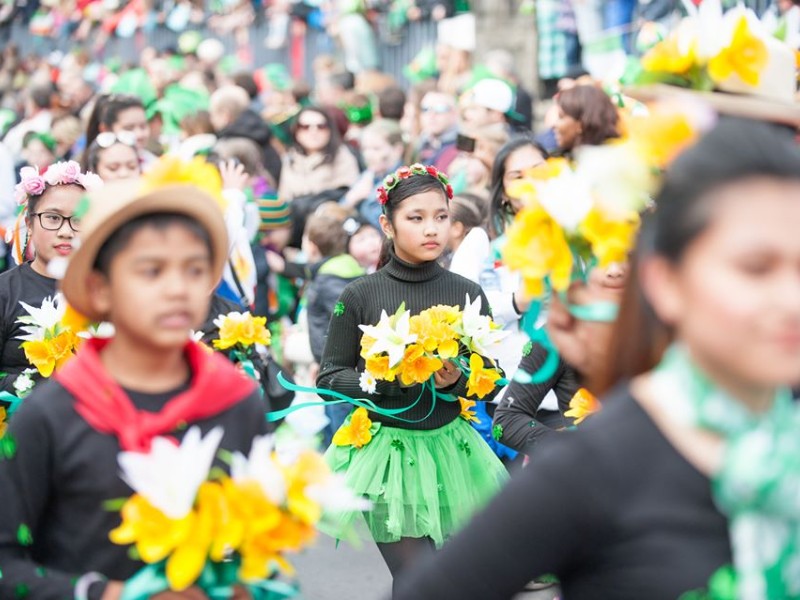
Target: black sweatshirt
(56,473)
(611,508)
(21,284)
(519,409)
(420,287)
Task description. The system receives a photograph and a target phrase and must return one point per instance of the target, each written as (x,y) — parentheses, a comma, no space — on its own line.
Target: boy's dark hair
(391,103)
(327,234)
(246,81)
(120,238)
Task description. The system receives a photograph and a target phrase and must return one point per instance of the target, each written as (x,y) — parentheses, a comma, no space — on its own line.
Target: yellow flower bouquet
(193,526)
(241,336)
(410,349)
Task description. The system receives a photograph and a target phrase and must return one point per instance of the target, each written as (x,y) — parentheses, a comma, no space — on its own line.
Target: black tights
(398,556)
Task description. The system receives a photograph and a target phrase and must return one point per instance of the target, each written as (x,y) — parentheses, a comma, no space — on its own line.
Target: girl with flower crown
(47,229)
(423,467)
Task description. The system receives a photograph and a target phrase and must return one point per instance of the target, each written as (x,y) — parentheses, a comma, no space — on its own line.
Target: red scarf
(216,386)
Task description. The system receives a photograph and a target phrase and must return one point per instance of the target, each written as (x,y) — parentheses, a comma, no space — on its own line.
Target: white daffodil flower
(262,467)
(42,319)
(484,337)
(390,338)
(616,177)
(169,476)
(566,197)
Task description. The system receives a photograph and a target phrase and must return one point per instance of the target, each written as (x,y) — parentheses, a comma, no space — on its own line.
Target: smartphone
(464,143)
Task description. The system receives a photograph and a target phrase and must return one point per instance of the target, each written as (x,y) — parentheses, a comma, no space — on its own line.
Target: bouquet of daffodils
(243,338)
(195,526)
(52,334)
(412,348)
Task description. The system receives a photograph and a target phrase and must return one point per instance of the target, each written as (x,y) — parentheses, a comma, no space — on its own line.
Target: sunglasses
(107,139)
(437,108)
(308,126)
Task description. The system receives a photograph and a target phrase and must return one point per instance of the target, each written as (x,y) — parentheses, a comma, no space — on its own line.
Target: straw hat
(116,204)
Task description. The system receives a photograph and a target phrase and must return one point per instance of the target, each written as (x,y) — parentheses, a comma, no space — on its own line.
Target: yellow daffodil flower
(310,468)
(416,366)
(662,135)
(435,334)
(241,329)
(582,405)
(536,247)
(668,57)
(379,367)
(746,56)
(169,170)
(74,320)
(154,534)
(357,432)
(481,380)
(611,240)
(466,410)
(50,354)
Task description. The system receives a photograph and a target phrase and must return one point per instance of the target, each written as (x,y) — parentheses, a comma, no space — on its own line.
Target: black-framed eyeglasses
(52,221)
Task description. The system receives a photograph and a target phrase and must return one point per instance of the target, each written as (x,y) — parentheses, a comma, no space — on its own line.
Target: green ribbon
(359,402)
(217,581)
(13,402)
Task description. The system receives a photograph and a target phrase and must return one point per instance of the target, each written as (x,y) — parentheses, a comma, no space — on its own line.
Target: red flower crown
(391,180)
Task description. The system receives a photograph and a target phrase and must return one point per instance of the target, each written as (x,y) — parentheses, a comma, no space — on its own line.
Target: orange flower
(481,380)
(582,405)
(466,410)
(3,423)
(355,433)
(379,367)
(416,366)
(434,333)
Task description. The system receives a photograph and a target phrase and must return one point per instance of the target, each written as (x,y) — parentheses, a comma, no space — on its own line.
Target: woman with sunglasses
(50,230)
(113,156)
(317,167)
(121,114)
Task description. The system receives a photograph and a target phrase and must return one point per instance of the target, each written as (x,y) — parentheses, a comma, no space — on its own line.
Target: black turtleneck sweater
(420,287)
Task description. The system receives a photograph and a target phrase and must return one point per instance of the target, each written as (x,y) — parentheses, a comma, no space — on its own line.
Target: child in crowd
(113,156)
(365,243)
(332,268)
(148,261)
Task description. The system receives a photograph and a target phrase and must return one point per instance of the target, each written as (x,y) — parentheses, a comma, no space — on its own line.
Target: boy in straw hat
(150,257)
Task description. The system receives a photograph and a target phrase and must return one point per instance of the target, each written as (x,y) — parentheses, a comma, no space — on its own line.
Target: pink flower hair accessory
(391,180)
(33,183)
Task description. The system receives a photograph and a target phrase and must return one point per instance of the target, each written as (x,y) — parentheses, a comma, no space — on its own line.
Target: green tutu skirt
(421,483)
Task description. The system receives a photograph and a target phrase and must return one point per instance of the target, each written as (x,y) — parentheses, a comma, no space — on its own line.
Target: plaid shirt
(552,40)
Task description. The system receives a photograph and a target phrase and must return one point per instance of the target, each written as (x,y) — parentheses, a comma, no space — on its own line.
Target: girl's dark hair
(120,238)
(405,188)
(468,209)
(734,151)
(334,141)
(593,109)
(105,114)
(499,209)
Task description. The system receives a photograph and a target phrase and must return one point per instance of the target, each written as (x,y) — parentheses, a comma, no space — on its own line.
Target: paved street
(345,573)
